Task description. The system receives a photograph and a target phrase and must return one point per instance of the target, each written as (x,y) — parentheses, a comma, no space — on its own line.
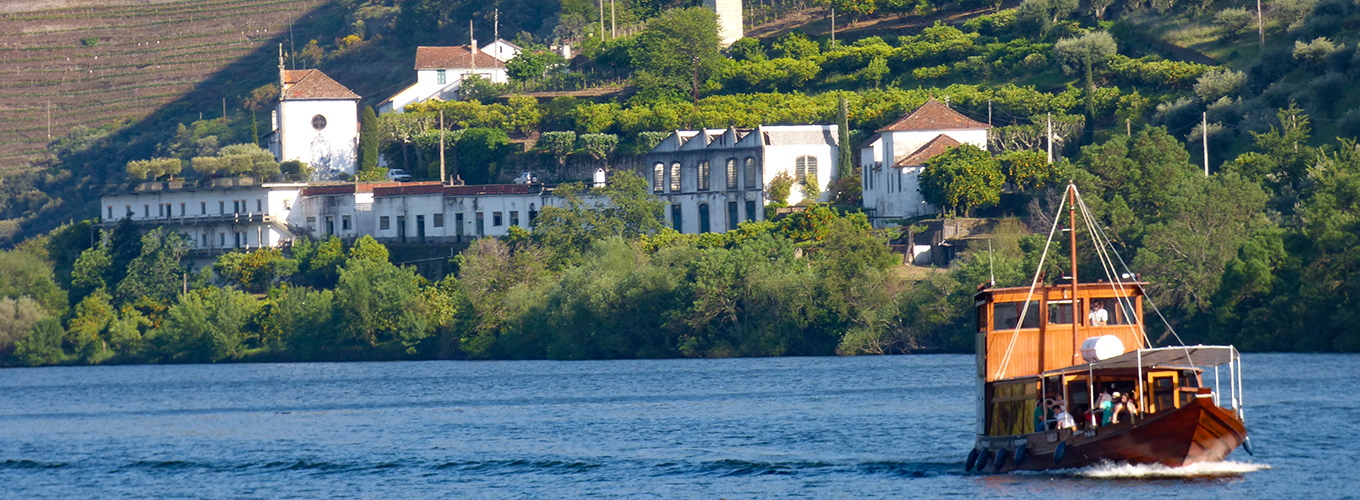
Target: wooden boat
(1030,350)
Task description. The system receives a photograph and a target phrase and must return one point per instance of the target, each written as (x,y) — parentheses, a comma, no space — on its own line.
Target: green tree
(17,317)
(964,177)
(158,274)
(207,325)
(304,319)
(677,51)
(559,145)
(626,208)
(480,151)
(369,140)
(368,248)
(1027,169)
(26,274)
(42,346)
(600,146)
(380,302)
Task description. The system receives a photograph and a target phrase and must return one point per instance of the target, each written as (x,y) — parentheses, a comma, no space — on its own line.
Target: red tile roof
(312,84)
(348,188)
(453,58)
(933,116)
(931,149)
(493,189)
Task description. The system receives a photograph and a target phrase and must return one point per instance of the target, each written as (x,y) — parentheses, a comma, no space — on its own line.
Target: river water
(888,426)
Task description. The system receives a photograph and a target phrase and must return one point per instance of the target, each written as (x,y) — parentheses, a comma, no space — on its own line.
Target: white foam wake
(1210,469)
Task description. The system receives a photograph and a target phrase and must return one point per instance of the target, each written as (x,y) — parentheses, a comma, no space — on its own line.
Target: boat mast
(1072,238)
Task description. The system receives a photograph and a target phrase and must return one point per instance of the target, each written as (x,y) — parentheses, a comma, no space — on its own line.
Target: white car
(526,178)
(397,174)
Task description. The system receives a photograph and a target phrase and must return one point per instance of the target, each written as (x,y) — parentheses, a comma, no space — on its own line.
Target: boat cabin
(1029,353)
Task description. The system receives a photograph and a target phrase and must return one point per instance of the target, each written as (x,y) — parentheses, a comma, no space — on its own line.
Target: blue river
(861,427)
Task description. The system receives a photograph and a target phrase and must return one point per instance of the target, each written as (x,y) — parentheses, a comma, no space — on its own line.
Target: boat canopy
(1196,356)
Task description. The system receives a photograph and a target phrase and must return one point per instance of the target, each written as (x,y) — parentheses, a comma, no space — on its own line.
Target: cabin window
(1060,312)
(1164,393)
(1118,311)
(1006,315)
(1012,409)
(982,318)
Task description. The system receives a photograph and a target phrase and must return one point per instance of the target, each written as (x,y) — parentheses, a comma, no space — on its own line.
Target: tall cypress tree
(368,140)
(845,164)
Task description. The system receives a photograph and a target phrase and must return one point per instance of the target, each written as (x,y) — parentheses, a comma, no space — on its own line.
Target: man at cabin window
(1098,316)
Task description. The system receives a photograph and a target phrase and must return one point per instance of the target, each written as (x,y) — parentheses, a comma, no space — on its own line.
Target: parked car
(397,174)
(526,178)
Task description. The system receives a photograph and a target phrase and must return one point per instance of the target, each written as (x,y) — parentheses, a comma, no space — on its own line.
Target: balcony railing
(232,218)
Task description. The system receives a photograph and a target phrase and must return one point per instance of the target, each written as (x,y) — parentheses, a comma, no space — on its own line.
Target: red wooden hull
(1198,431)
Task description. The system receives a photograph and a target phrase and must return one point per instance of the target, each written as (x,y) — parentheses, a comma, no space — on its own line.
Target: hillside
(117,62)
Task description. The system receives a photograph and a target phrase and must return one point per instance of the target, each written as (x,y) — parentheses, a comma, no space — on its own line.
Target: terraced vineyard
(107,62)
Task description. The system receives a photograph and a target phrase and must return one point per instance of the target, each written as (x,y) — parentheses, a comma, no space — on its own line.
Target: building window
(703,218)
(319,122)
(259,205)
(658,177)
(675,177)
(438,220)
(129,211)
(287,204)
(160,210)
(222,207)
(181,210)
(205,240)
(221,240)
(146,211)
(110,212)
(675,218)
(384,223)
(344,222)
(750,210)
(440,77)
(751,174)
(533,213)
(458,225)
(203,208)
(514,217)
(804,167)
(311,224)
(731,173)
(705,176)
(732,216)
(481,225)
(330,225)
(496,219)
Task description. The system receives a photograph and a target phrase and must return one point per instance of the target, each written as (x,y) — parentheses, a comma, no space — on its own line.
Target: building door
(330,225)
(458,226)
(675,218)
(401,228)
(704,226)
(732,216)
(420,228)
(750,210)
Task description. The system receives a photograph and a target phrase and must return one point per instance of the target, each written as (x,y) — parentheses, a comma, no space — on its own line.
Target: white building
(715,178)
(217,215)
(440,72)
(502,50)
(893,159)
(317,122)
(418,212)
(729,19)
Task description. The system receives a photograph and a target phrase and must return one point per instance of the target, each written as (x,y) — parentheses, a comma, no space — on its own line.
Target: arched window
(731,173)
(751,174)
(703,218)
(705,176)
(658,177)
(675,177)
(804,167)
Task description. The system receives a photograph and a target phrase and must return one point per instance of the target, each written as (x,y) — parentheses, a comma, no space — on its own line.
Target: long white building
(714,178)
(894,157)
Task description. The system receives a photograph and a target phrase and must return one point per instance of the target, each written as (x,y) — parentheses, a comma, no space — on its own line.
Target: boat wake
(1155,471)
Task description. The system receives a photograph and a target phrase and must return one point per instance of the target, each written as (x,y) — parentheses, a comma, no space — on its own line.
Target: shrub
(1234,20)
(1315,52)
(1219,82)
(1072,53)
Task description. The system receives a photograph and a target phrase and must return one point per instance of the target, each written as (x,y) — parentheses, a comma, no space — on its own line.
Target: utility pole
(613,29)
(1050,137)
(1260,24)
(989,112)
(442,176)
(601,19)
(49,120)
(496,27)
(1128,127)
(1204,130)
(224,108)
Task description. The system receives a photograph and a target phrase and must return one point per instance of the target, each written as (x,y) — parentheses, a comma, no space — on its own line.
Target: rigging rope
(1006,359)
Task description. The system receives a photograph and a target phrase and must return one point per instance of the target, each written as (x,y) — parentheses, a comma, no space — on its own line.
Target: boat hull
(1198,431)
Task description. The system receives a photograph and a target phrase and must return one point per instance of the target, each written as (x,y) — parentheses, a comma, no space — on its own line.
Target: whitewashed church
(317,122)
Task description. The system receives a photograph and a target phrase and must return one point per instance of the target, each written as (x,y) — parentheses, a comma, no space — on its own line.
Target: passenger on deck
(1098,316)
(1064,419)
(1042,412)
(1123,404)
(1105,405)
